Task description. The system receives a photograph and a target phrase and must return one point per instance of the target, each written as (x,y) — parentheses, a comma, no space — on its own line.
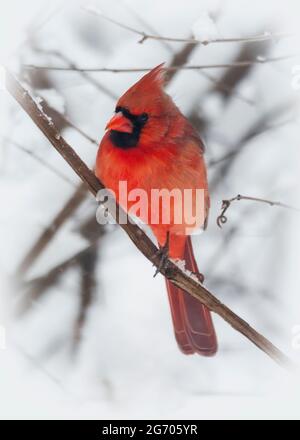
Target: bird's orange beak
(119,123)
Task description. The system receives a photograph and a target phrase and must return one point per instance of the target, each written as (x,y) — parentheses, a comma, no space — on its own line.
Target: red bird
(149,144)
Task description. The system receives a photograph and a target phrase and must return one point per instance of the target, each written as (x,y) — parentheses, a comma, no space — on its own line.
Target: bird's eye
(144,117)
(118,109)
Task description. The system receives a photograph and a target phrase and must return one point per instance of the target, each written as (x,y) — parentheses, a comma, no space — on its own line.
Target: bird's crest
(147,92)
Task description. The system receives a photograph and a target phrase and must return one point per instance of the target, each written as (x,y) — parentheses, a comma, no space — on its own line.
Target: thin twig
(232,154)
(177,57)
(38,159)
(38,365)
(239,64)
(147,25)
(243,143)
(67,121)
(267,36)
(73,67)
(138,237)
(232,77)
(226,89)
(261,126)
(36,287)
(222,219)
(73,203)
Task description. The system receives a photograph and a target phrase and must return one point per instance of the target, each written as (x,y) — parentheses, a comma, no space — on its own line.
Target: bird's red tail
(193,326)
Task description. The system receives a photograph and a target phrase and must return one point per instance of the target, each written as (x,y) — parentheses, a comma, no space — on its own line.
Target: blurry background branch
(38,159)
(138,237)
(72,204)
(262,125)
(36,287)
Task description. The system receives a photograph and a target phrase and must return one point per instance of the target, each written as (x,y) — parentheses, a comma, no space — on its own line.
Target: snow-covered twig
(67,121)
(267,36)
(181,58)
(137,236)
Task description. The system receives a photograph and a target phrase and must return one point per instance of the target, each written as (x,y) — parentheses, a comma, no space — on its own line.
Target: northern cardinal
(149,144)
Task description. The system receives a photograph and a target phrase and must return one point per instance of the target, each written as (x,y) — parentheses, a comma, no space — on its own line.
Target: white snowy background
(125,363)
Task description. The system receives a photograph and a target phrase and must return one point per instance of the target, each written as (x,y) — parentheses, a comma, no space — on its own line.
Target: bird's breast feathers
(167,166)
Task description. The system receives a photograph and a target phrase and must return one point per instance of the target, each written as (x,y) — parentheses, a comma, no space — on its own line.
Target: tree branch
(137,236)
(222,219)
(261,126)
(65,120)
(267,36)
(88,264)
(238,64)
(182,57)
(70,206)
(73,67)
(36,287)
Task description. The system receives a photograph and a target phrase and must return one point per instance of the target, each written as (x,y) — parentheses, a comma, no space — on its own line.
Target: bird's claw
(163,254)
(200,277)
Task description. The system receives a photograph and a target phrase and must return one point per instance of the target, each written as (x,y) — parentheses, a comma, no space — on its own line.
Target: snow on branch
(208,37)
(178,276)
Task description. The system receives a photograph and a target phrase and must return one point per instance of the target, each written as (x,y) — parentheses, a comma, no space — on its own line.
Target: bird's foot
(163,254)
(200,276)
